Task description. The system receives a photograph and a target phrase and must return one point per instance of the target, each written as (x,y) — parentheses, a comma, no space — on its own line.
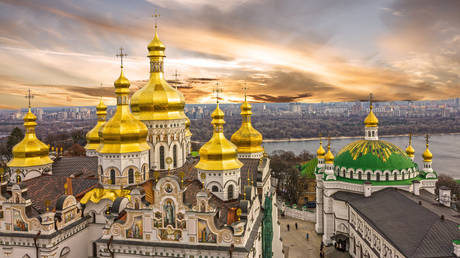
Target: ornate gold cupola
(30,154)
(157,100)
(218,153)
(92,137)
(247,139)
(123,133)
(371,123)
(410,151)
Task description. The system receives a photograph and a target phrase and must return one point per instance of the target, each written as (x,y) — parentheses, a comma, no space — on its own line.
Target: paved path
(297,246)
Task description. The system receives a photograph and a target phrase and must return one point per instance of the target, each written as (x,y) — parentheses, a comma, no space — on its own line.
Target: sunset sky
(284,50)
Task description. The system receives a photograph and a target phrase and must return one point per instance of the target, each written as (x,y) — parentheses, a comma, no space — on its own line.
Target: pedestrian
(288,227)
(307,236)
(296,226)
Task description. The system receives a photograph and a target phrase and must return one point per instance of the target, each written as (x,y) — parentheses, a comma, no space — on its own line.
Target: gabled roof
(413,229)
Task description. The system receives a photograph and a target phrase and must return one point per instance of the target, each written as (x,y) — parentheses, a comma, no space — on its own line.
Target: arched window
(403,175)
(351,174)
(230,192)
(368,176)
(130,176)
(175,156)
(378,176)
(112,176)
(215,189)
(162,157)
(387,177)
(359,175)
(395,175)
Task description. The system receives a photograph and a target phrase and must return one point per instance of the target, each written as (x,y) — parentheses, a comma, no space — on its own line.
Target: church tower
(123,151)
(247,139)
(30,156)
(219,166)
(92,137)
(371,124)
(161,108)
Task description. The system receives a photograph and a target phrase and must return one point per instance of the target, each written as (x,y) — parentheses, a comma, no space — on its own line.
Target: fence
(296,213)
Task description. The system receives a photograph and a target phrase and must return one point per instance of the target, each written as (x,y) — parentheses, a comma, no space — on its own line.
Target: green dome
(373,155)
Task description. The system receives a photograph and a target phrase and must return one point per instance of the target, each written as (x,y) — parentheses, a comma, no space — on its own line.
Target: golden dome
(371,120)
(247,139)
(157,100)
(218,153)
(92,137)
(30,151)
(329,157)
(188,133)
(427,155)
(410,150)
(320,152)
(123,133)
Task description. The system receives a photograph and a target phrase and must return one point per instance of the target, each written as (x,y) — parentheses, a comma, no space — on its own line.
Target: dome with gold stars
(218,153)
(92,137)
(123,133)
(157,100)
(30,151)
(247,139)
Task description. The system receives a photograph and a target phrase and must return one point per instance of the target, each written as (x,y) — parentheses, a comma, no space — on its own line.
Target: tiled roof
(413,229)
(51,187)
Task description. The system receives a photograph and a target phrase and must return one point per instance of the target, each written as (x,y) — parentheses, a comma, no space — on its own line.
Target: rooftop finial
(410,138)
(156,15)
(121,55)
(245,90)
(320,138)
(29,97)
(217,90)
(328,142)
(370,100)
(427,139)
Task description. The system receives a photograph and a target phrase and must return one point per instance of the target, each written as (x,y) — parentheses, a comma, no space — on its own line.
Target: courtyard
(297,246)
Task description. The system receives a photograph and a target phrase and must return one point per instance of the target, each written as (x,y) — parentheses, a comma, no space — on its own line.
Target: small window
(215,189)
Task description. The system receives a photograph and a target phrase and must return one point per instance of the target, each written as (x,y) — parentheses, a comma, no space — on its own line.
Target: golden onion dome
(92,137)
(188,133)
(247,138)
(123,133)
(410,150)
(157,100)
(427,155)
(329,157)
(320,152)
(371,120)
(30,151)
(218,153)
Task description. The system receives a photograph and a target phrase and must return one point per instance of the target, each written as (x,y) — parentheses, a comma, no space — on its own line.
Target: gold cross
(121,55)
(410,138)
(216,91)
(245,89)
(370,99)
(427,139)
(29,96)
(156,15)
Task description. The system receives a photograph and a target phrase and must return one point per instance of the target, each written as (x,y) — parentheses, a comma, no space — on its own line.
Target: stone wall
(297,214)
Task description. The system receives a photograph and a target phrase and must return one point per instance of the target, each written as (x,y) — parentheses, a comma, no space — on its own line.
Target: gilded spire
(218,153)
(320,152)
(157,100)
(410,150)
(247,138)
(30,151)
(371,120)
(329,157)
(427,155)
(123,133)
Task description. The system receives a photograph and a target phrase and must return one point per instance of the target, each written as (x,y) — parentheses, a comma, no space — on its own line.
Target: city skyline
(285,52)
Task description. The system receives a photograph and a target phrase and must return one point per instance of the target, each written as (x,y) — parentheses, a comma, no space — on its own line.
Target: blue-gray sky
(291,50)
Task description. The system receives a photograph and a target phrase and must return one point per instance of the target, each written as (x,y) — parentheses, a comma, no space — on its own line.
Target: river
(445,149)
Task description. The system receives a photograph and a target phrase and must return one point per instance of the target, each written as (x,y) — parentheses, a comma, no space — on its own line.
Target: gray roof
(413,229)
